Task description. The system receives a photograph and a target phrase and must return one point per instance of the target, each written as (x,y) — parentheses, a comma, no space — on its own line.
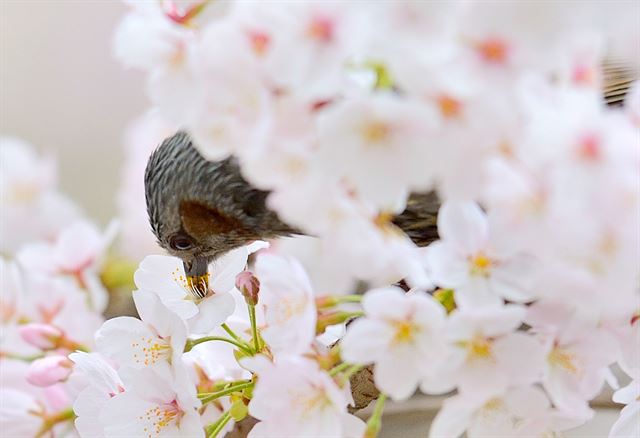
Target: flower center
(321,29)
(375,132)
(290,307)
(259,42)
(159,417)
(493,404)
(589,147)
(196,287)
(480,264)
(404,331)
(478,348)
(493,50)
(23,193)
(148,350)
(449,107)
(563,359)
(317,400)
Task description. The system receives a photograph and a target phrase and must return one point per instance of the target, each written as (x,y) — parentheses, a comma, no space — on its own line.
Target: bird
(200,209)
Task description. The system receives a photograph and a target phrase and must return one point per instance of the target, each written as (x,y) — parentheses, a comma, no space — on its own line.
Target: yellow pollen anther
(480,264)
(405,331)
(375,132)
(196,287)
(563,359)
(493,404)
(478,348)
(160,417)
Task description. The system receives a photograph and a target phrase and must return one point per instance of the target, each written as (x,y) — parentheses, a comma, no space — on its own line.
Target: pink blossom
(486,353)
(164,276)
(466,260)
(311,403)
(289,304)
(102,382)
(519,412)
(49,370)
(158,337)
(156,401)
(43,336)
(401,334)
(628,423)
(32,208)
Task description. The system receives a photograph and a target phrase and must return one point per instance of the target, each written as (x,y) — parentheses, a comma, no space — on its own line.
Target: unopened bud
(249,285)
(43,336)
(49,370)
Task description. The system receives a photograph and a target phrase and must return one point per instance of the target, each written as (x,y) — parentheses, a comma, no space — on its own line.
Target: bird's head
(199,209)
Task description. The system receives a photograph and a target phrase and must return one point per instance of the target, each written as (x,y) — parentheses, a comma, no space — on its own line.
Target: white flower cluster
(52,297)
(31,205)
(341,110)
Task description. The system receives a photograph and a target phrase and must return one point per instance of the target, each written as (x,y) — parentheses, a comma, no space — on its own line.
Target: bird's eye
(180,242)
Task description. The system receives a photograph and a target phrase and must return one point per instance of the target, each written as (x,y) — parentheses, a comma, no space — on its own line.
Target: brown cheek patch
(201,221)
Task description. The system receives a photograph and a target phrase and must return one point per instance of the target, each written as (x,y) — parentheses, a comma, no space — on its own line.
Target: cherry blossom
(159,336)
(522,411)
(401,334)
(312,404)
(157,401)
(577,360)
(486,353)
(326,274)
(18,413)
(465,260)
(102,383)
(77,254)
(43,336)
(49,370)
(288,302)
(164,275)
(628,422)
(384,134)
(341,110)
(32,208)
(57,303)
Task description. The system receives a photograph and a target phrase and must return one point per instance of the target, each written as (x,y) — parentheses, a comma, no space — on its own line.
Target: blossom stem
(193,342)
(224,385)
(51,420)
(375,421)
(214,429)
(254,327)
(352,370)
(206,397)
(339,368)
(234,335)
(333,300)
(334,317)
(348,372)
(23,358)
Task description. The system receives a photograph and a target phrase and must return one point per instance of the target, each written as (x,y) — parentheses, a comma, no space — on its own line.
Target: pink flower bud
(249,285)
(49,370)
(43,336)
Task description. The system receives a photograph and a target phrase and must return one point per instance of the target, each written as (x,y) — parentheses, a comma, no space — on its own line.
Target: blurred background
(62,91)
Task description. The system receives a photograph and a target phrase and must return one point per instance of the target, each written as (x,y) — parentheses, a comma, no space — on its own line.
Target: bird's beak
(197,273)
